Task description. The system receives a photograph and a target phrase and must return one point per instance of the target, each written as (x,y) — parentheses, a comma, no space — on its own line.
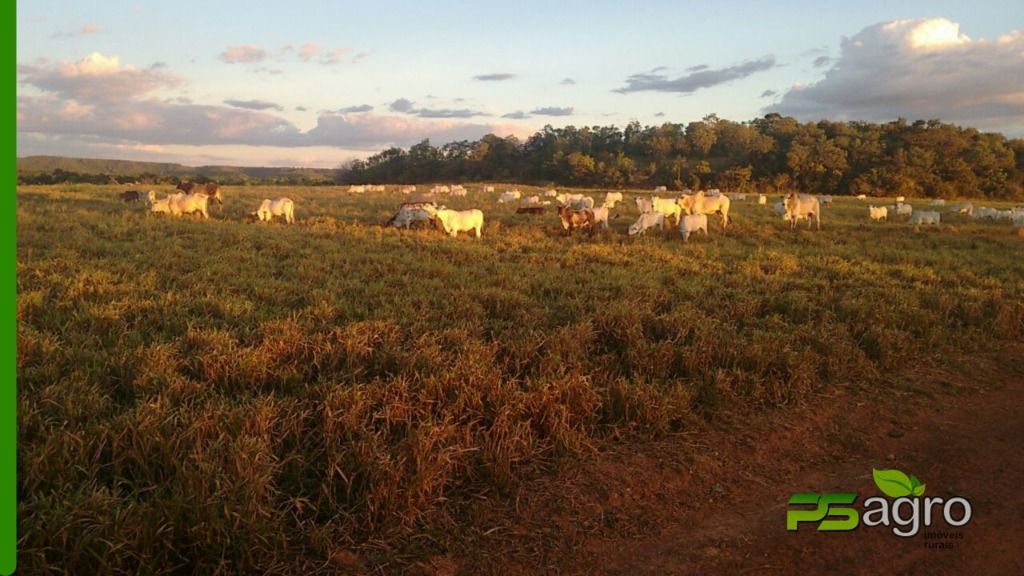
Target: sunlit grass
(203,396)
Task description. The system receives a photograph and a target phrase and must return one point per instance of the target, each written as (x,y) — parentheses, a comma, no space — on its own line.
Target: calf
(693,223)
(162,206)
(280,207)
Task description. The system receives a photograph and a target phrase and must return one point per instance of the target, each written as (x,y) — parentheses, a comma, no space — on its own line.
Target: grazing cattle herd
(576,211)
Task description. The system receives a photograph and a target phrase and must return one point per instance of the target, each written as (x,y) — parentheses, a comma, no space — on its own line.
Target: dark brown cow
(211,189)
(534,210)
(131,196)
(573,219)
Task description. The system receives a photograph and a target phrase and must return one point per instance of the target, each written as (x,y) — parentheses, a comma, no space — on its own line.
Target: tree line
(923,158)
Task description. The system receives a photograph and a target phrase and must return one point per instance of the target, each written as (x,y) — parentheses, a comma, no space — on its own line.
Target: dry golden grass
(222,397)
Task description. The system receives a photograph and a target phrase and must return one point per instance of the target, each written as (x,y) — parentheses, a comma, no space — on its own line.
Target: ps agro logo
(906,514)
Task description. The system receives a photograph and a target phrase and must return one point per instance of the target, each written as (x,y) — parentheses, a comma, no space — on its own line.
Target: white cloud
(243,53)
(83,30)
(155,122)
(333,56)
(919,69)
(307,51)
(374,131)
(100,99)
(97,78)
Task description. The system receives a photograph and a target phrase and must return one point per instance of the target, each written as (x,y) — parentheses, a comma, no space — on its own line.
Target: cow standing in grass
(211,189)
(801,206)
(576,219)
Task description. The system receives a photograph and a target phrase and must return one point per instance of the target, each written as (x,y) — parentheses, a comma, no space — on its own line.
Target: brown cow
(211,189)
(573,219)
(131,196)
(533,210)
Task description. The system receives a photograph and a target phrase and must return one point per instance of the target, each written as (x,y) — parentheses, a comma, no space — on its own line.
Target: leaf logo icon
(896,484)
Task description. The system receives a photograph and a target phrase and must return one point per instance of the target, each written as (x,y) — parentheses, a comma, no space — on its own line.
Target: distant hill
(47,169)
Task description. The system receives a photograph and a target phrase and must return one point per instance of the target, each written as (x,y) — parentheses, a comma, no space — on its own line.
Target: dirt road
(714,501)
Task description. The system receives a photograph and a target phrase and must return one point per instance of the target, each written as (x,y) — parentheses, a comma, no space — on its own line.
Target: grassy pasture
(229,397)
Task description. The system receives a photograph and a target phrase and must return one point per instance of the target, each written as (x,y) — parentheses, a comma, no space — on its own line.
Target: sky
(307,83)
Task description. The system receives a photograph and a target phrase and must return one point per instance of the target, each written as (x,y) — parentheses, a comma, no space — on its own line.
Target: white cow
(357,189)
(439,190)
(569,198)
(762,199)
(925,217)
(900,199)
(862,196)
(509,196)
(904,209)
(938,202)
(601,216)
(455,221)
(583,203)
(550,193)
(660,189)
(779,208)
(162,206)
(531,200)
(667,206)
(692,223)
(407,189)
(458,191)
(647,221)
(800,206)
(983,212)
(825,200)
(645,205)
(699,203)
(280,207)
(410,213)
(878,212)
(611,198)
(196,203)
(738,197)
(488,188)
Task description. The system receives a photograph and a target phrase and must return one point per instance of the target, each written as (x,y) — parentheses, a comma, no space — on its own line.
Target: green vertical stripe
(8,394)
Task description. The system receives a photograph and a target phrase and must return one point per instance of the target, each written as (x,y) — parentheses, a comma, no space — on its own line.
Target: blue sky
(314,83)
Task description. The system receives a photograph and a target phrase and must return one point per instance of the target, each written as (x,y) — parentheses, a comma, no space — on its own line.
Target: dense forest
(922,158)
